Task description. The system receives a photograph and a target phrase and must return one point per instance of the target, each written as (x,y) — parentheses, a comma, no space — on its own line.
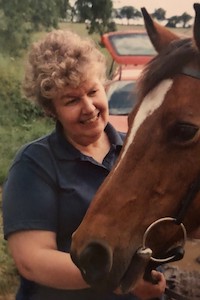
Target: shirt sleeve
(29,199)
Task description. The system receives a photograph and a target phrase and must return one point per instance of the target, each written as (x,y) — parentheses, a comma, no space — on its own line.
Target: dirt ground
(192,252)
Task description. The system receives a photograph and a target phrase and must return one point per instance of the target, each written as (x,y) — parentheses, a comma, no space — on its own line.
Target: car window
(130,44)
(121,97)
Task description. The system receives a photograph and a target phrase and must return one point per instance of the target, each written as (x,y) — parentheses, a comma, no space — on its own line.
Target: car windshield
(130,44)
(121,97)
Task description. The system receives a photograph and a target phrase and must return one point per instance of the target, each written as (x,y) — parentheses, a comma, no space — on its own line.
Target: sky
(172,7)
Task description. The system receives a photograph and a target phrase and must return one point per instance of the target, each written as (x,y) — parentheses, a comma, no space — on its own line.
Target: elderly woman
(53,179)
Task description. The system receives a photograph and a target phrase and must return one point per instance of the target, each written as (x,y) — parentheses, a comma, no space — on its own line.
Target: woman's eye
(92,93)
(71,101)
(183,132)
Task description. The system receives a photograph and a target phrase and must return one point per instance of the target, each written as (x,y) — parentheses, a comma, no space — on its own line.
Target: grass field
(8,273)
(13,138)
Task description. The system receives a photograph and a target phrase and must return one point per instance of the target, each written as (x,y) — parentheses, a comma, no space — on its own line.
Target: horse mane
(166,64)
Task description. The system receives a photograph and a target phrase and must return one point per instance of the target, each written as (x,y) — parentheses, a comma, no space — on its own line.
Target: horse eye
(183,132)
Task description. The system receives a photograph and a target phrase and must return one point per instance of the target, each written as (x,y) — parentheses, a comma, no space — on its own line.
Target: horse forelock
(167,64)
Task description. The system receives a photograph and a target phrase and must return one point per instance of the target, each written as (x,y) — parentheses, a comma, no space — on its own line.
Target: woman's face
(82,111)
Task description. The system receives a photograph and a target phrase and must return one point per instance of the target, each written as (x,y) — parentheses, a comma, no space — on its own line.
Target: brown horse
(142,212)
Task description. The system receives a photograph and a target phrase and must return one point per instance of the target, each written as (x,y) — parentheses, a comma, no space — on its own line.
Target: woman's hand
(145,290)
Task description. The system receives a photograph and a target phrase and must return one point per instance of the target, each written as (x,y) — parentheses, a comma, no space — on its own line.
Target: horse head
(151,197)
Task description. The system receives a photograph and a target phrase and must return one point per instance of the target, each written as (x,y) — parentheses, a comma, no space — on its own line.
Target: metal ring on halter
(167,259)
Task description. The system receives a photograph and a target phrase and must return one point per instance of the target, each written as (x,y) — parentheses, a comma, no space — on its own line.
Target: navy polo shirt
(49,187)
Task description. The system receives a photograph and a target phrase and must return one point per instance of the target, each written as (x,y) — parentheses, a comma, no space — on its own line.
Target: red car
(130,51)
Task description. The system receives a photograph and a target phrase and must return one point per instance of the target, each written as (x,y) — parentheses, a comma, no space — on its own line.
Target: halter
(191,72)
(187,200)
(177,253)
(194,188)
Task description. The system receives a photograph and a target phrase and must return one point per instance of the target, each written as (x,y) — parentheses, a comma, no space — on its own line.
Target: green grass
(8,272)
(12,138)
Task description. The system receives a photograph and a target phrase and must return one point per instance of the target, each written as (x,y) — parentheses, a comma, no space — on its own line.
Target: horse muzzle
(104,269)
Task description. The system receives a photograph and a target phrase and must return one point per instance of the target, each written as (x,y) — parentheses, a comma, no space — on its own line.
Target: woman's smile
(91,119)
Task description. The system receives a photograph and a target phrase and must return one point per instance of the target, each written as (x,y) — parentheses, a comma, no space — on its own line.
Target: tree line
(130,12)
(20,18)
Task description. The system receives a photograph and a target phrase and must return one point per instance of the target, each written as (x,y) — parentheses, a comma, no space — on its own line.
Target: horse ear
(159,35)
(197,24)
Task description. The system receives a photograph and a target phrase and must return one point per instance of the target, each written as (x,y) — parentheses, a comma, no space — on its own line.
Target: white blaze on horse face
(149,105)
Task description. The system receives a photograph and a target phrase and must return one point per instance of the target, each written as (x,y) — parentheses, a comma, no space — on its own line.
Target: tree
(173,21)
(63,7)
(159,14)
(43,13)
(71,13)
(21,17)
(116,13)
(185,18)
(84,9)
(98,13)
(130,12)
(13,34)
(127,12)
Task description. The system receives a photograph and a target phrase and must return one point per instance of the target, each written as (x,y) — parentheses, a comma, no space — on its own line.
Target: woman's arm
(37,259)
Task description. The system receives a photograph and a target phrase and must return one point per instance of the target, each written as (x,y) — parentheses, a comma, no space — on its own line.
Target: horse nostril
(95,262)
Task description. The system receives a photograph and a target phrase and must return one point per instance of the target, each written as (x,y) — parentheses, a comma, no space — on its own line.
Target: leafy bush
(8,272)
(20,121)
(13,106)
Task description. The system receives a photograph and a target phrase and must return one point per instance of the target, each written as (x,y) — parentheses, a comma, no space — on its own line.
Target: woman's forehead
(70,91)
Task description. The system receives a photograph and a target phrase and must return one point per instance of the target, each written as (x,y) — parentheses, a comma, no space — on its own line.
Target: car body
(130,51)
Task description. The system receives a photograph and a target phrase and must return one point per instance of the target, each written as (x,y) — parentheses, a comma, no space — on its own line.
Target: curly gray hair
(61,59)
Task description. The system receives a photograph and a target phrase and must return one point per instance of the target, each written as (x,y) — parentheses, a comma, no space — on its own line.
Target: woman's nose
(88,105)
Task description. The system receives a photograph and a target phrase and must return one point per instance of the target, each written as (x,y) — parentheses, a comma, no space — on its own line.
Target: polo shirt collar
(66,151)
